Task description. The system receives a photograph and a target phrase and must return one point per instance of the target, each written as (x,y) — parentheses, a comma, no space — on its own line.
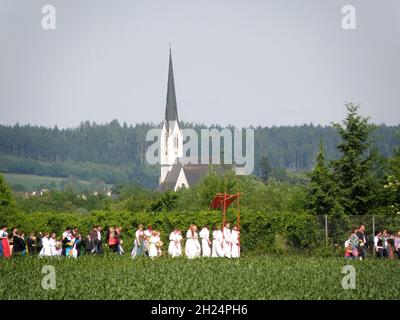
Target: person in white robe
(174,248)
(159,244)
(53,245)
(235,242)
(138,245)
(46,250)
(154,239)
(193,248)
(227,240)
(205,241)
(217,243)
(147,239)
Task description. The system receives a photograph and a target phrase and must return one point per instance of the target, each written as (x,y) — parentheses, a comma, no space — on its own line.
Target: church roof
(193,173)
(171,178)
(171,111)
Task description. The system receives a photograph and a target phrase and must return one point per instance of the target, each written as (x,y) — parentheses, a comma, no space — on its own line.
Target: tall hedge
(259,230)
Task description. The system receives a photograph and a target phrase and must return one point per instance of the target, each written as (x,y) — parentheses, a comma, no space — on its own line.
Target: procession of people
(226,244)
(147,242)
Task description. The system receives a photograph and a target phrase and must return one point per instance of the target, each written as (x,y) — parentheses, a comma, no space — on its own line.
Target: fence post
(326,229)
(373,234)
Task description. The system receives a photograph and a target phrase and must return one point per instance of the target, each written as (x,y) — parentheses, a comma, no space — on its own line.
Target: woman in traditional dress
(192,249)
(174,248)
(46,251)
(205,241)
(153,251)
(118,231)
(5,247)
(235,242)
(217,243)
(138,245)
(112,240)
(227,240)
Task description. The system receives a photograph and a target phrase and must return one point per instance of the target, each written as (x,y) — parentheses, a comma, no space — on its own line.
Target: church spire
(171,112)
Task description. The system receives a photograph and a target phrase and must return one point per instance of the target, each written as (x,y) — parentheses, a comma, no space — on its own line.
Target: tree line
(113,152)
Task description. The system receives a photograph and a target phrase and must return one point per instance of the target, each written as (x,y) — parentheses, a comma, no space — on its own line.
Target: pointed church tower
(171,144)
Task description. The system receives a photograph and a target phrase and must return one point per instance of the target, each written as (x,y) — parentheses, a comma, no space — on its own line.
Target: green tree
(265,169)
(320,198)
(6,202)
(392,185)
(355,171)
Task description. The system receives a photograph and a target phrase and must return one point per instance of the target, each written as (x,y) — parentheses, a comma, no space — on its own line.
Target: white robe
(46,250)
(217,250)
(192,249)
(205,238)
(52,245)
(147,241)
(153,251)
(175,248)
(227,243)
(235,244)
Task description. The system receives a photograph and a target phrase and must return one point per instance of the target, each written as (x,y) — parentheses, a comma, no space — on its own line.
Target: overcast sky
(240,62)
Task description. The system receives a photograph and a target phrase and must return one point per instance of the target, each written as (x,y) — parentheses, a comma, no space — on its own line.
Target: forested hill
(112,151)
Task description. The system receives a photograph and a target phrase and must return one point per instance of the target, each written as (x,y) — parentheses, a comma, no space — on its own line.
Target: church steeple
(171,139)
(171,112)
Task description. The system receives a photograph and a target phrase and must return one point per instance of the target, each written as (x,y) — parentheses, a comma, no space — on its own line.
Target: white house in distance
(174,174)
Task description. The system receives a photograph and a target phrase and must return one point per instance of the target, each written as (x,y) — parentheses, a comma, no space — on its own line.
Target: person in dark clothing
(22,243)
(95,236)
(363,242)
(38,243)
(31,244)
(78,247)
(87,245)
(15,241)
(385,243)
(66,237)
(94,239)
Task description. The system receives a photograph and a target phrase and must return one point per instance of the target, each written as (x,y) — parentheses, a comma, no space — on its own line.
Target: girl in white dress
(192,249)
(217,243)
(53,245)
(147,239)
(174,248)
(159,244)
(46,250)
(227,240)
(205,241)
(153,251)
(235,242)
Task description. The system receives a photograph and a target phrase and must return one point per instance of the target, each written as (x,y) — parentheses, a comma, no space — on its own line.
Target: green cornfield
(250,277)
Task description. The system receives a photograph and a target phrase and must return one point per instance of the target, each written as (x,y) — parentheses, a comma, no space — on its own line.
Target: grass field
(261,277)
(30,181)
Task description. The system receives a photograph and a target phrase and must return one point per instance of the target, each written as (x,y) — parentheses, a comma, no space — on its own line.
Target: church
(174,174)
